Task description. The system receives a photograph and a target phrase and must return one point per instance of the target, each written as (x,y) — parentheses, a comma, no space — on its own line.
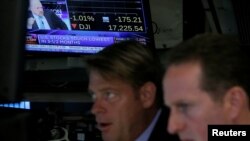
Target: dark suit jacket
(53,20)
(159,132)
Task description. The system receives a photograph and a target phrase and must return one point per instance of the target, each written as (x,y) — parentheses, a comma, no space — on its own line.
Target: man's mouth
(186,140)
(104,127)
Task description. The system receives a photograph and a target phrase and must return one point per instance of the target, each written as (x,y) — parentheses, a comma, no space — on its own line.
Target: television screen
(86,26)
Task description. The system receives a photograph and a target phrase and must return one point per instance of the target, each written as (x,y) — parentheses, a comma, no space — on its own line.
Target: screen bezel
(12,29)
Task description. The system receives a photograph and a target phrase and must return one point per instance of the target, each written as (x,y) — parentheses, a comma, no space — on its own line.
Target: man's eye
(183,107)
(92,95)
(110,95)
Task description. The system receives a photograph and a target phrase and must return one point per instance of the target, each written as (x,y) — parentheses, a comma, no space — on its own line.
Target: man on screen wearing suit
(40,18)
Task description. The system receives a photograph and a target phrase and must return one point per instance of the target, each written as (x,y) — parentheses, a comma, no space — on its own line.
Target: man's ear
(235,101)
(148,94)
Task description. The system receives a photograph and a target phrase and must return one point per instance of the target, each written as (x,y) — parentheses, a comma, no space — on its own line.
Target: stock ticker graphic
(107,15)
(92,25)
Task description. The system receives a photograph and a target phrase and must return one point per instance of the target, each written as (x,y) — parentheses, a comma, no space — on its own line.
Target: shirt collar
(145,135)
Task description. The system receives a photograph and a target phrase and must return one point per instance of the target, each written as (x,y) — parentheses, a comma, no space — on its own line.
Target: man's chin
(41,14)
(107,137)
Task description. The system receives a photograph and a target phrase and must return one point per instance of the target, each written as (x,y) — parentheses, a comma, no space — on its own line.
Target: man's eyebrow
(178,103)
(100,90)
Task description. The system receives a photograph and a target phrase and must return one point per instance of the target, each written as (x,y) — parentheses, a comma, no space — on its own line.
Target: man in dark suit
(125,83)
(40,18)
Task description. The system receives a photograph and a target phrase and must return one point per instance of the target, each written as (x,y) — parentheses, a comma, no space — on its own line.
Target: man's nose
(175,123)
(97,107)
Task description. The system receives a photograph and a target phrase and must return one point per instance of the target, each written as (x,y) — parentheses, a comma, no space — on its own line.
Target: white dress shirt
(41,21)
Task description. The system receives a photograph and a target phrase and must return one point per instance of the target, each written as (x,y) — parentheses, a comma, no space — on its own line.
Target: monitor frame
(12,49)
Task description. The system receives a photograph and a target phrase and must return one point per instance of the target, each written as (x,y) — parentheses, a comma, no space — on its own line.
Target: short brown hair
(223,61)
(129,61)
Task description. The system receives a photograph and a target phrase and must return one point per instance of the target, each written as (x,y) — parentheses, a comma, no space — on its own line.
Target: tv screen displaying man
(40,18)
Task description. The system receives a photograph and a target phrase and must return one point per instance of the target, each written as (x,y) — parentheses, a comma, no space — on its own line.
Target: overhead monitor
(86,26)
